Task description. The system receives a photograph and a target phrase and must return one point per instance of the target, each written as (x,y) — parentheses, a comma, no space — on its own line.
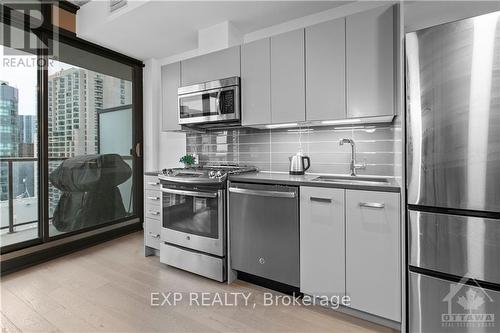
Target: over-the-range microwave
(210,102)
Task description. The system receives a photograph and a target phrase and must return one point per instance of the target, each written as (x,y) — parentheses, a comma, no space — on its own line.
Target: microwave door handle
(217,102)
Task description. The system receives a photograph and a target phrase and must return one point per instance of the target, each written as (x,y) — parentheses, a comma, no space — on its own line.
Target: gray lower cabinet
(170,82)
(373,273)
(152,232)
(152,183)
(325,70)
(256,83)
(211,66)
(152,214)
(322,242)
(370,63)
(288,77)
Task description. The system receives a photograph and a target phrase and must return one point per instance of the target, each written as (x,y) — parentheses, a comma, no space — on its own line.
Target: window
(18,151)
(108,86)
(87,95)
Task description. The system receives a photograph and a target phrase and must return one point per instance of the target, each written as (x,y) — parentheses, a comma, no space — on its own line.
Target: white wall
(172,146)
(161,149)
(151,85)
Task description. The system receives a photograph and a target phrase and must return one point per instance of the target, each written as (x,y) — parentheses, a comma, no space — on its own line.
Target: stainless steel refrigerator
(453,176)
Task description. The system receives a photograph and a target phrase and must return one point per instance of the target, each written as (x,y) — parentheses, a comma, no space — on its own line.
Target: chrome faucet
(353,166)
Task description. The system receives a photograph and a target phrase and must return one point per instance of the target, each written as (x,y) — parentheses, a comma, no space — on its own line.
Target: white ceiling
(157,29)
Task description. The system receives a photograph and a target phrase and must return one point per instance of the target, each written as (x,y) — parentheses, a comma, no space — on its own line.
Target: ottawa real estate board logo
(469,306)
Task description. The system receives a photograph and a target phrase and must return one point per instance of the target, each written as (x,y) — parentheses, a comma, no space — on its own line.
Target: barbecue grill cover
(90,193)
(90,173)
(78,210)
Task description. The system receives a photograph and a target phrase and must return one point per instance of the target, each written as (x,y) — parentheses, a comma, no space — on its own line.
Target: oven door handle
(190,193)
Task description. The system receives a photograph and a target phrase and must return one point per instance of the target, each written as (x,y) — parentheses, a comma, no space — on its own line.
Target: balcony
(19,200)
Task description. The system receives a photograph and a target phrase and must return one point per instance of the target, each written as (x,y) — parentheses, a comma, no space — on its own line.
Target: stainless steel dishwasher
(264,231)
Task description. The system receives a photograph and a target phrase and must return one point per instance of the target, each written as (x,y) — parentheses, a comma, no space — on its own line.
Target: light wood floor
(107,288)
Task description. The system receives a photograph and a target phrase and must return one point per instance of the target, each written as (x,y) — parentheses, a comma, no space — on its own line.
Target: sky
(20,72)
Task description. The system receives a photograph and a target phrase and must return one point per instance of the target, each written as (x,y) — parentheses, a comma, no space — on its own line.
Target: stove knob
(219,174)
(212,174)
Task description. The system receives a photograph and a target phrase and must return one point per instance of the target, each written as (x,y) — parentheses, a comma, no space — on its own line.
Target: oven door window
(191,214)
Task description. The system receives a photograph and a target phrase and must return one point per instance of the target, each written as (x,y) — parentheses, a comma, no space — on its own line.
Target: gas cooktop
(204,174)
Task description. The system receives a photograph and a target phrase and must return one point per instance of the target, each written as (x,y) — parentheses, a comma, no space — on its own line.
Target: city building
(9,140)
(9,128)
(27,135)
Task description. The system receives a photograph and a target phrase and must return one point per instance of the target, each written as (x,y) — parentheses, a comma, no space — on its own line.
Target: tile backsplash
(269,149)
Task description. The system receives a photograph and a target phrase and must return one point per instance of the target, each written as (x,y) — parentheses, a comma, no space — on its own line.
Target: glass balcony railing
(19,199)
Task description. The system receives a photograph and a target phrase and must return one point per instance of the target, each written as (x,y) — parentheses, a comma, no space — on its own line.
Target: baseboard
(44,255)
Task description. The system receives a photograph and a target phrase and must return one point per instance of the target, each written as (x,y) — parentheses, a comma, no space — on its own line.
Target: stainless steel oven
(210,102)
(193,217)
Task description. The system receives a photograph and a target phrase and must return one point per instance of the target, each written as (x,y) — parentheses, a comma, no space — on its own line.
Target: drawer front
(152,198)
(151,183)
(372,250)
(152,212)
(194,262)
(152,233)
(437,305)
(458,245)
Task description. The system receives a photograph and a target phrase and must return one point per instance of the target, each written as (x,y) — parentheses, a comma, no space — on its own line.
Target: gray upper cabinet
(370,64)
(256,83)
(325,70)
(170,81)
(211,66)
(322,251)
(287,77)
(373,273)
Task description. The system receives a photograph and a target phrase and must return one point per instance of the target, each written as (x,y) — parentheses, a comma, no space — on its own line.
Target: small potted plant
(188,160)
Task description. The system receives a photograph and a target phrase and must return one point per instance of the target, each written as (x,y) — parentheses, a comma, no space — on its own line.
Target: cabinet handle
(327,200)
(152,212)
(372,204)
(263,193)
(153,183)
(154,198)
(154,235)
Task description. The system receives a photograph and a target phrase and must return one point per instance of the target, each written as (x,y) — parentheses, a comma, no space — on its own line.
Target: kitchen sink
(362,180)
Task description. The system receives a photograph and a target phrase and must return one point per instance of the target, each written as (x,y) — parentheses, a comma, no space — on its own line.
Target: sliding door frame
(45,32)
